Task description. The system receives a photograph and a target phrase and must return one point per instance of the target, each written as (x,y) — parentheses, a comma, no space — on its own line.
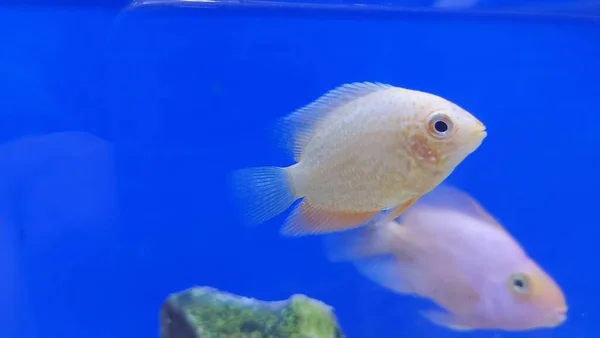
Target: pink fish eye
(519,283)
(439,124)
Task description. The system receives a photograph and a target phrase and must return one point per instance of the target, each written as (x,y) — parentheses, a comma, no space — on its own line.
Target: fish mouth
(478,135)
(559,315)
(482,130)
(479,132)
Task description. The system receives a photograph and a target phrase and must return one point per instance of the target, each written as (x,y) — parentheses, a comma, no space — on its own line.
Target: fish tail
(263,192)
(371,250)
(359,243)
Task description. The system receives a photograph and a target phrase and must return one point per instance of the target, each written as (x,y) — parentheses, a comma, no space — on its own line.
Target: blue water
(119,129)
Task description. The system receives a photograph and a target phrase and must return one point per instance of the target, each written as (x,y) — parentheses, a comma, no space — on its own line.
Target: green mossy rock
(205,312)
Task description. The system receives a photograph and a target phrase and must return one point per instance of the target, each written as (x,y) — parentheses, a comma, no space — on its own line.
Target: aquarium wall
(121,123)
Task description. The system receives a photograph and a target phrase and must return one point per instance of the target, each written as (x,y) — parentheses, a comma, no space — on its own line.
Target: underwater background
(120,126)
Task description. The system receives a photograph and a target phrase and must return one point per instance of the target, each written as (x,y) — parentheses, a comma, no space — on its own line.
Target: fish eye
(519,283)
(439,125)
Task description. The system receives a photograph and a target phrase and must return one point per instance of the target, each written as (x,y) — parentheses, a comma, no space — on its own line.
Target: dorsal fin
(447,197)
(296,129)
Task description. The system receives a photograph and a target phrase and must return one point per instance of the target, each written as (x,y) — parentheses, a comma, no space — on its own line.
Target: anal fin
(446,320)
(308,219)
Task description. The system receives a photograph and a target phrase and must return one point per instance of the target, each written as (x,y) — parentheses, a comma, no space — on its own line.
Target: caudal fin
(262,192)
(354,244)
(370,249)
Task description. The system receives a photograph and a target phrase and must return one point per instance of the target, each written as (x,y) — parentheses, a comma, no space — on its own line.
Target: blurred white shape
(455,4)
(57,182)
(52,187)
(142,3)
(15,314)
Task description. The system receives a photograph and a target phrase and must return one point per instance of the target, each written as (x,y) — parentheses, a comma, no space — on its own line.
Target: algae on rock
(205,312)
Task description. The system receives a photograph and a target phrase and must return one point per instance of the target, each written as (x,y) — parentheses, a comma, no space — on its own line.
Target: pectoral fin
(399,210)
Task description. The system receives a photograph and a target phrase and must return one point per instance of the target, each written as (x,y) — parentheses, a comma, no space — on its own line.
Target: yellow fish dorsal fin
(448,197)
(297,129)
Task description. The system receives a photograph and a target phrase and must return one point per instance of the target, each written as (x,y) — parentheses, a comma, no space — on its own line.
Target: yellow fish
(360,149)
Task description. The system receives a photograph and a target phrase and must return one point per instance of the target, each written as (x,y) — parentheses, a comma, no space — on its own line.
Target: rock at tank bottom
(205,312)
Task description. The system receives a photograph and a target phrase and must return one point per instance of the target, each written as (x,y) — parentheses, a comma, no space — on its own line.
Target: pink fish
(448,249)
